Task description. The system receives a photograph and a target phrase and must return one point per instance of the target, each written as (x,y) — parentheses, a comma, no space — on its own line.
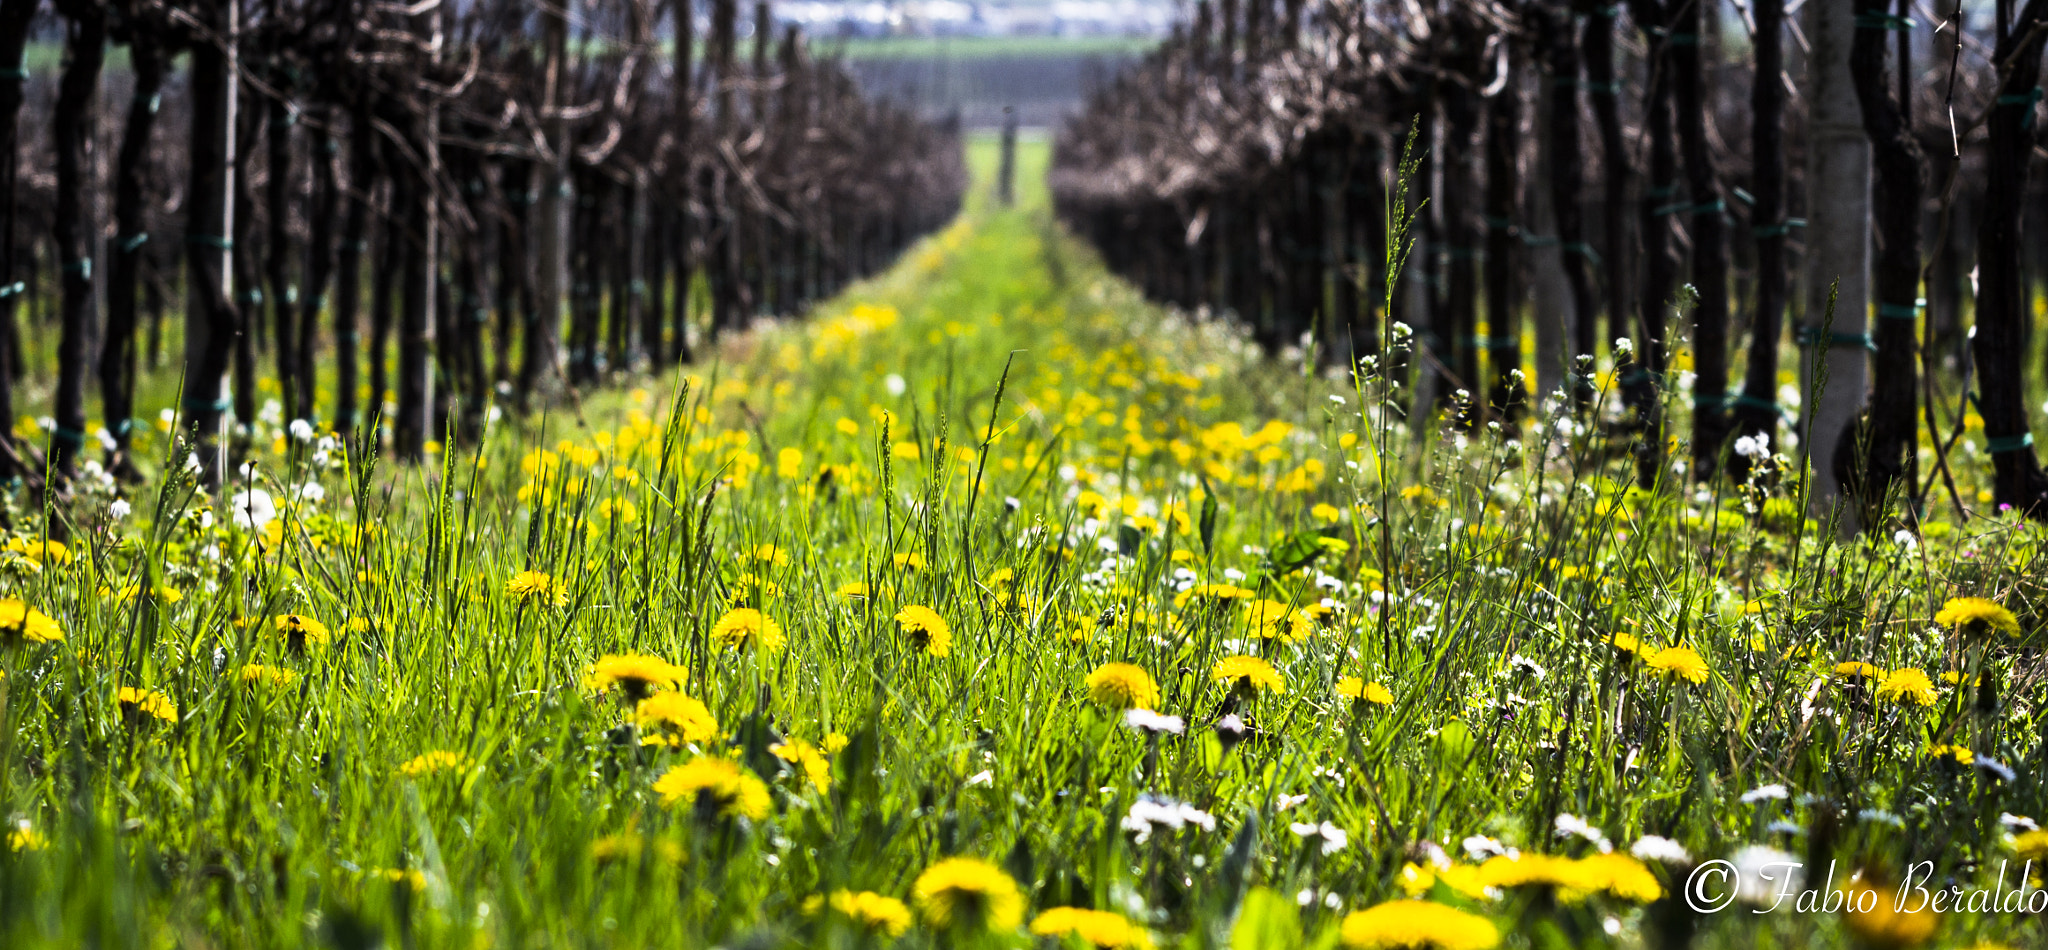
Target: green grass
(997,430)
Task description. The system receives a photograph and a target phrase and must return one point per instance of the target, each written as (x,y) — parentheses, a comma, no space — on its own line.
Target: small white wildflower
(118,509)
(1481,847)
(1753,446)
(253,509)
(1766,793)
(1573,826)
(895,384)
(1659,849)
(1147,721)
(1764,875)
(301,430)
(1334,839)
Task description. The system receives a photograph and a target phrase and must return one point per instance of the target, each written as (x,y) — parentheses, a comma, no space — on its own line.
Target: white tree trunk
(1837,244)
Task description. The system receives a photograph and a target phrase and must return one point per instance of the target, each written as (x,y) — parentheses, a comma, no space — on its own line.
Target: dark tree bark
(348,264)
(1503,324)
(1879,453)
(1709,238)
(1604,91)
(76,224)
(15,17)
(1756,411)
(125,258)
(384,283)
(319,267)
(683,109)
(1462,235)
(1999,344)
(213,322)
(730,302)
(1639,381)
(277,195)
(1567,174)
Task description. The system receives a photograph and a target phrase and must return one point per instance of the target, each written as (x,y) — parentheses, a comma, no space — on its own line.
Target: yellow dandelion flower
(1876,914)
(910,560)
(409,878)
(434,762)
(1416,880)
(1203,595)
(41,550)
(926,629)
(770,554)
(1096,928)
(745,627)
(1271,619)
(301,631)
(128,592)
(1537,870)
(1977,615)
(1856,671)
(718,786)
(537,587)
(2032,846)
(627,849)
(22,837)
(1621,876)
(852,590)
(256,674)
(21,623)
(1248,673)
(1418,925)
(1907,687)
(751,590)
(1325,512)
(834,741)
(670,718)
(1122,686)
(866,909)
(1679,662)
(634,675)
(138,706)
(803,755)
(1360,691)
(966,892)
(1628,645)
(1956,754)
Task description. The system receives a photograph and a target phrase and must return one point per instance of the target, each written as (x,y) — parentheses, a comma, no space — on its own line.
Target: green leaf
(1127,540)
(1267,921)
(1455,745)
(1298,550)
(1208,522)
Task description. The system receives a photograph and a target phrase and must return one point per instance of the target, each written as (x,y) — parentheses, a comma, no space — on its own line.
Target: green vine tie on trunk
(1813,336)
(2008,444)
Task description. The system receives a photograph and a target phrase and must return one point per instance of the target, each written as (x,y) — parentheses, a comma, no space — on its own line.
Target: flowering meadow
(990,607)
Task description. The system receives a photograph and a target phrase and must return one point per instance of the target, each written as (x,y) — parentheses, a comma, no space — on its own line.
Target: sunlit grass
(1371,681)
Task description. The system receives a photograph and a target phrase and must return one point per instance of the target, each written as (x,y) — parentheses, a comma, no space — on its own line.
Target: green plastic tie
(1780,229)
(133,241)
(2026,99)
(1899,311)
(1812,336)
(2008,444)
